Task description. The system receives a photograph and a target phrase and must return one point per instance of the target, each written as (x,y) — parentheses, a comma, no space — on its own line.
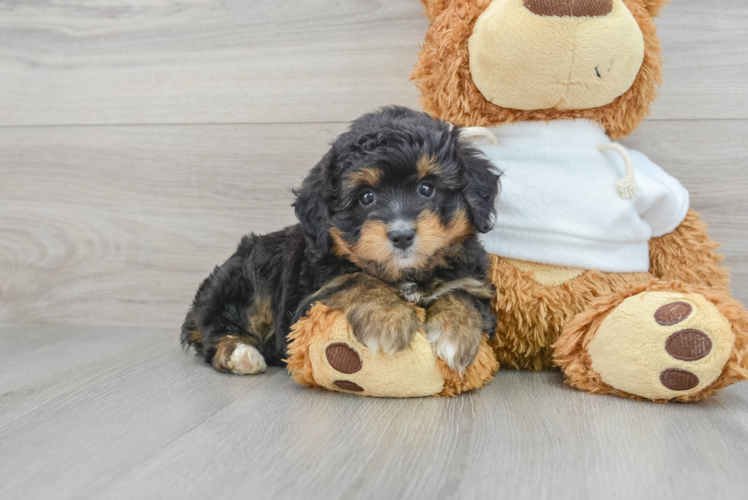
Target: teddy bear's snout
(570,8)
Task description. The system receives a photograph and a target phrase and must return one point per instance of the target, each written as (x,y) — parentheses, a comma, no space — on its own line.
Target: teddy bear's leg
(660,341)
(324,352)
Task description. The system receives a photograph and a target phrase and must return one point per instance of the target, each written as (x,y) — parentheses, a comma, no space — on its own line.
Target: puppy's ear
(481,189)
(311,208)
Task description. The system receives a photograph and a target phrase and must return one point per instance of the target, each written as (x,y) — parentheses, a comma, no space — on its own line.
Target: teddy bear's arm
(689,255)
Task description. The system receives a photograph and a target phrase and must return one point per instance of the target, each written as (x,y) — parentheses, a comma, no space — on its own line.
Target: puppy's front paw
(389,327)
(455,344)
(455,330)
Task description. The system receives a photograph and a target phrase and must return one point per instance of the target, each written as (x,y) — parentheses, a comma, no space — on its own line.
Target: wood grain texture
(107,230)
(205,61)
(705,60)
(118,225)
(134,417)
(238,61)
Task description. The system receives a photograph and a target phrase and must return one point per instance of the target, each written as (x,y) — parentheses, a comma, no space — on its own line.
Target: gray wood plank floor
(124,413)
(140,139)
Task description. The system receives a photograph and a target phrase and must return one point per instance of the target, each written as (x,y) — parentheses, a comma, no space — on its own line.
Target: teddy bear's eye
(367,197)
(426,189)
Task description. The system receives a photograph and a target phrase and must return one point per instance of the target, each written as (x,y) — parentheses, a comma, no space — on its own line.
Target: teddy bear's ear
(654,6)
(434,8)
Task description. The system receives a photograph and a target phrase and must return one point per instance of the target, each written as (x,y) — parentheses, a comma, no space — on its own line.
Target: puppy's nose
(402,238)
(570,8)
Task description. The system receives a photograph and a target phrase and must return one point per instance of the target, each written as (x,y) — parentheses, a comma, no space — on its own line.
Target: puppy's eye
(426,189)
(366,197)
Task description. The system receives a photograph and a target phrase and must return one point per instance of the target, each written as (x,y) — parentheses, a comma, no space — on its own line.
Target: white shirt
(559,202)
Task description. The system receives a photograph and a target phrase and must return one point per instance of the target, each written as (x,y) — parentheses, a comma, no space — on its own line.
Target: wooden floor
(140,139)
(122,412)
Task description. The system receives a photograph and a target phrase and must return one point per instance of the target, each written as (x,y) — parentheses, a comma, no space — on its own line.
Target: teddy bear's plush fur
(443,76)
(323,353)
(671,332)
(550,315)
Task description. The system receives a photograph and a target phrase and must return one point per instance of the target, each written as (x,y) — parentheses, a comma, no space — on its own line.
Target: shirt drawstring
(469,132)
(627,187)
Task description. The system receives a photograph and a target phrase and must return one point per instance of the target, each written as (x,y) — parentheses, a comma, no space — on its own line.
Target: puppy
(387,222)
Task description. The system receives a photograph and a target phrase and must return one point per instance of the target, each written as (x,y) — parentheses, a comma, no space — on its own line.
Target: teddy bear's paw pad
(676,379)
(343,358)
(673,313)
(662,345)
(688,345)
(347,385)
(246,360)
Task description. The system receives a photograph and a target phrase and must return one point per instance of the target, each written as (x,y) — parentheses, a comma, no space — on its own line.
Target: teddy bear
(601,267)
(323,353)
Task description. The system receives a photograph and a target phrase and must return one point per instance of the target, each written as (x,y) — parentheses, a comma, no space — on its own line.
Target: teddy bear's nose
(570,8)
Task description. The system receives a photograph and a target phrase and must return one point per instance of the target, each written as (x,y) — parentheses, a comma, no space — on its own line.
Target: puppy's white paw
(246,360)
(372,344)
(447,351)
(457,348)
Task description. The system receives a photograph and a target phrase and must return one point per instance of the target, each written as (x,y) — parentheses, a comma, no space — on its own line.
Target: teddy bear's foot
(664,341)
(325,353)
(662,345)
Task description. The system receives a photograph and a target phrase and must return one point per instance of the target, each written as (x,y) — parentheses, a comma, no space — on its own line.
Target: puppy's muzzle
(402,238)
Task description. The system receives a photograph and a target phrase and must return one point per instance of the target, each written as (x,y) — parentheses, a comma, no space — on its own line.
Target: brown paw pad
(347,385)
(678,380)
(688,345)
(344,359)
(673,313)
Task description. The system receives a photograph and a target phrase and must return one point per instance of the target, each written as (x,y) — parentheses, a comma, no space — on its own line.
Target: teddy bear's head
(489,62)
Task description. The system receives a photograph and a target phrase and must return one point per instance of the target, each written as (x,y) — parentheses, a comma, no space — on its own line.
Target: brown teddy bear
(600,265)
(324,353)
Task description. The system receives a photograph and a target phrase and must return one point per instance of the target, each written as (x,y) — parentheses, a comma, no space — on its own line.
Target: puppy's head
(396,193)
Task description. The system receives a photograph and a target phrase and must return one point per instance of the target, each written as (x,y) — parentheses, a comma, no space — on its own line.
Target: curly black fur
(272,280)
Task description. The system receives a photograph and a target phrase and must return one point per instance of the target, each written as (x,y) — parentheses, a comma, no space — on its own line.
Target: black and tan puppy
(387,221)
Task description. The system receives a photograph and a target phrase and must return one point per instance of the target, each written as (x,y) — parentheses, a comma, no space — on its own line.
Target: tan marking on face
(432,235)
(427,165)
(374,244)
(369,176)
(373,251)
